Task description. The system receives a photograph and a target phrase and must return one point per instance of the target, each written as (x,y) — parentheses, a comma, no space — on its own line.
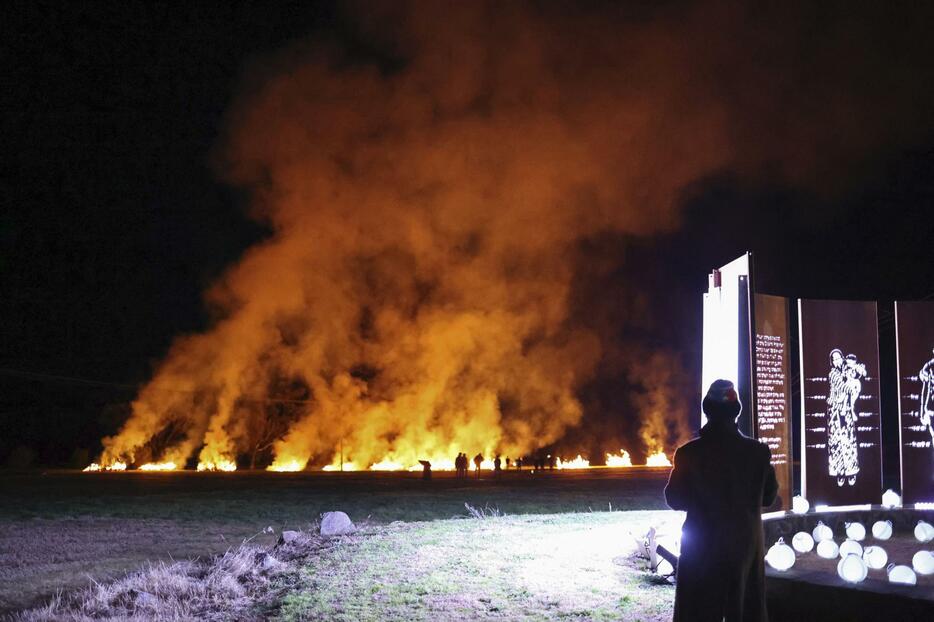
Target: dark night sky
(113,221)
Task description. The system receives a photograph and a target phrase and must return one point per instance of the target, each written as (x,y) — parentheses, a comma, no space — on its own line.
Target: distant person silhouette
(426,469)
(722,480)
(507,463)
(497,466)
(478,460)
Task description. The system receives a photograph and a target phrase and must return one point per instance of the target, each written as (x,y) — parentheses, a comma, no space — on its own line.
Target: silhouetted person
(507,463)
(460,463)
(722,480)
(519,463)
(426,469)
(478,460)
(497,466)
(551,462)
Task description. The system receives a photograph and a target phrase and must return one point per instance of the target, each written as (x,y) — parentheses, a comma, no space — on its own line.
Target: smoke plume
(427,187)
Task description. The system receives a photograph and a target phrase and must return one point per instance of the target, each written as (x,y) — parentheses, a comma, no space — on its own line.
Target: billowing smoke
(427,194)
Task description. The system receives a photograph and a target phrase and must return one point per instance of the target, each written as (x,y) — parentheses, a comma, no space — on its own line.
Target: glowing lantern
(780,556)
(852,568)
(890,499)
(875,557)
(803,542)
(924,532)
(855,531)
(882,529)
(923,562)
(800,505)
(827,549)
(902,574)
(822,532)
(851,547)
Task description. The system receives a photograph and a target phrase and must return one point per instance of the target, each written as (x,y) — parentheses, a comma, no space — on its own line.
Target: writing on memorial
(771,395)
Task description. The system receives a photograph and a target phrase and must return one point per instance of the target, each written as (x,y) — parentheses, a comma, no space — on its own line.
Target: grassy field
(58,529)
(557,567)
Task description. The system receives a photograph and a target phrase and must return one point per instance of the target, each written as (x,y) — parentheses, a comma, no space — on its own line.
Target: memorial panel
(773,389)
(841,454)
(914,325)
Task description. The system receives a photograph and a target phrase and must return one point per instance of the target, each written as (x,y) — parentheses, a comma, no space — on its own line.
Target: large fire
(623,459)
(418,292)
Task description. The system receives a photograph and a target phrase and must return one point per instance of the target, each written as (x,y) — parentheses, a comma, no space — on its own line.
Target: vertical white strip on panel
(804,452)
(898,370)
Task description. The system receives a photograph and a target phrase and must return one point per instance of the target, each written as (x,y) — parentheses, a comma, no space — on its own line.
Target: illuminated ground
(58,529)
(565,566)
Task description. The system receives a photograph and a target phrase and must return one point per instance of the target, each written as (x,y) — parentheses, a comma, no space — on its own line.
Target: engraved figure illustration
(926,407)
(844,388)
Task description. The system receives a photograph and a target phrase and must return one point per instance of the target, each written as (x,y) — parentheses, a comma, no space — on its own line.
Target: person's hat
(721,400)
(722,391)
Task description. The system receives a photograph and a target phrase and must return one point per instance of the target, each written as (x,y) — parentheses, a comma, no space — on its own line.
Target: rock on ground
(336,524)
(288,537)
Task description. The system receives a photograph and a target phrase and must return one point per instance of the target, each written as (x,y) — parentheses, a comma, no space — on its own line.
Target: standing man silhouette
(722,480)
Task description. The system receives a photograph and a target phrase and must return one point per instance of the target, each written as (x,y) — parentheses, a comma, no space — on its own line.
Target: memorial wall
(747,339)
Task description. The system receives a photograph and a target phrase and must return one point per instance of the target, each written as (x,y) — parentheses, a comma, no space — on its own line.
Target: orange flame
(159,466)
(658,459)
(289,466)
(114,466)
(577,463)
(621,460)
(221,465)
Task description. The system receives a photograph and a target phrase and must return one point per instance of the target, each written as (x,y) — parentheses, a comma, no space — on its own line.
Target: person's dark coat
(722,480)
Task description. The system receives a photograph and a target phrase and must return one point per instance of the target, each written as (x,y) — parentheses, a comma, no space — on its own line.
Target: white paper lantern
(822,532)
(875,557)
(780,556)
(803,542)
(851,547)
(890,499)
(852,569)
(855,531)
(827,549)
(800,505)
(902,574)
(923,562)
(924,532)
(882,529)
